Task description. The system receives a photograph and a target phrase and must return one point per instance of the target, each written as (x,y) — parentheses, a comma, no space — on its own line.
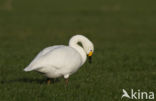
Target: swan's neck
(74,44)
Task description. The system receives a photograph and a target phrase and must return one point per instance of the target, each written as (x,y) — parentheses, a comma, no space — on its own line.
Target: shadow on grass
(29,80)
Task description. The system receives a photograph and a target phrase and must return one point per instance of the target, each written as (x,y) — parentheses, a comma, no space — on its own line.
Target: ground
(123,33)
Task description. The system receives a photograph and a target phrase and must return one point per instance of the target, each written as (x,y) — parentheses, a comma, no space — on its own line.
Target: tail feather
(27,69)
(30,68)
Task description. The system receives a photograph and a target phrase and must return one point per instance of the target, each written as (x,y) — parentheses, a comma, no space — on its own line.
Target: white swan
(60,60)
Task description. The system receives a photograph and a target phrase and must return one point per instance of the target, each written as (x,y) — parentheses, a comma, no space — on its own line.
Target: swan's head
(89,49)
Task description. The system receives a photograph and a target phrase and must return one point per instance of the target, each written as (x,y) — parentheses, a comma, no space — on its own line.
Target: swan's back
(61,57)
(45,51)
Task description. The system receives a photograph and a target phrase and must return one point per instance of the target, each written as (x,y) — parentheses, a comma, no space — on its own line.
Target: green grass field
(123,32)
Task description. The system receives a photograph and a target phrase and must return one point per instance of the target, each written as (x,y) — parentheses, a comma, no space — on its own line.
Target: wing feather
(32,65)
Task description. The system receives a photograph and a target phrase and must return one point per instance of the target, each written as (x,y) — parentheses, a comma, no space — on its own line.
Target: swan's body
(60,60)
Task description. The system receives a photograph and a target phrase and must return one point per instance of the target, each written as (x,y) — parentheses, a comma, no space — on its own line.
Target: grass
(123,33)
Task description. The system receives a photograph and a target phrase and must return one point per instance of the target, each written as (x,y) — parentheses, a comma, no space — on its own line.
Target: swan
(60,60)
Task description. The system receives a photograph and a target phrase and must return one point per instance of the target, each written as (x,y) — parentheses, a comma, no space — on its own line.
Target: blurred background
(123,32)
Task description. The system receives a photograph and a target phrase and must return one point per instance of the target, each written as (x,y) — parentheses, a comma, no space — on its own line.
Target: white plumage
(60,60)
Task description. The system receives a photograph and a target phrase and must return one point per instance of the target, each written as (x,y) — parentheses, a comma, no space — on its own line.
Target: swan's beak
(90,56)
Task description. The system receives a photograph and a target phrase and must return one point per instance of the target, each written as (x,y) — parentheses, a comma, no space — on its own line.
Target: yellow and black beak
(90,56)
